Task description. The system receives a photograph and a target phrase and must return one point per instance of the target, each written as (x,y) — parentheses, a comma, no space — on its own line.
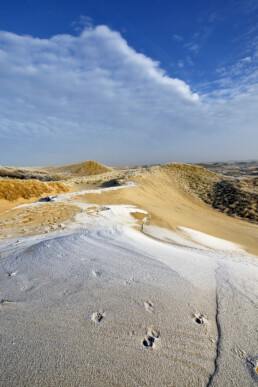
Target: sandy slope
(171,207)
(150,297)
(171,281)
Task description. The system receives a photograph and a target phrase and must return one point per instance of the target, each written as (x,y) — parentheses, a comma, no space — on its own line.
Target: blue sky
(128,82)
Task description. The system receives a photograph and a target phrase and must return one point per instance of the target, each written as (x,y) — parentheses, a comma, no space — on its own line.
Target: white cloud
(71,98)
(193,47)
(238,78)
(177,38)
(180,64)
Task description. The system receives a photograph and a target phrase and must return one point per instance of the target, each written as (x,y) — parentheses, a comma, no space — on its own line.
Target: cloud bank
(73,98)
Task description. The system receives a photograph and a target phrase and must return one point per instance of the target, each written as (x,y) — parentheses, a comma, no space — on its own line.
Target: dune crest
(86,168)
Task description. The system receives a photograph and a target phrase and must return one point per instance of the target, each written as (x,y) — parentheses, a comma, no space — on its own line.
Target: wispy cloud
(72,98)
(178,38)
(189,60)
(193,47)
(82,23)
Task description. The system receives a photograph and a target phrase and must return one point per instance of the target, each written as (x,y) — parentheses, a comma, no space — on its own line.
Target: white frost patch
(210,241)
(105,220)
(165,235)
(188,237)
(61,197)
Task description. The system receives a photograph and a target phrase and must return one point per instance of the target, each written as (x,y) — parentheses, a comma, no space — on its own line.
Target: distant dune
(87,168)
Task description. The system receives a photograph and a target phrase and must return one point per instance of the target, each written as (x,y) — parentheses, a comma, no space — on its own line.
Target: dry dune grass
(192,179)
(87,168)
(13,190)
(237,197)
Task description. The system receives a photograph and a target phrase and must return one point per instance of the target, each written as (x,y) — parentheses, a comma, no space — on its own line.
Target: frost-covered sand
(112,299)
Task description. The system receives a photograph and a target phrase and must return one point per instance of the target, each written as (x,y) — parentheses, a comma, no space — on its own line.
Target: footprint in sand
(148,306)
(253,366)
(97,317)
(148,341)
(131,281)
(150,338)
(256,368)
(200,319)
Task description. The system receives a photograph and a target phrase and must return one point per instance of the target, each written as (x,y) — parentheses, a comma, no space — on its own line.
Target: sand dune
(171,203)
(134,281)
(233,196)
(174,195)
(87,168)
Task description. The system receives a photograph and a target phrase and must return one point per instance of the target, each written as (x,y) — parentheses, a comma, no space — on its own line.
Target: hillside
(235,197)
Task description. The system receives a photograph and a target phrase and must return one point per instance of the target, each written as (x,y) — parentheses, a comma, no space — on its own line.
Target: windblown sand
(141,284)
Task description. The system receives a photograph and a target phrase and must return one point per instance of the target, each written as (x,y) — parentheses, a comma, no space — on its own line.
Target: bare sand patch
(31,220)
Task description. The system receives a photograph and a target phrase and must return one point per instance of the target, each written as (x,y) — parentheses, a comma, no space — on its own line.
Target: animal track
(148,341)
(200,319)
(11,274)
(253,366)
(150,338)
(97,317)
(131,281)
